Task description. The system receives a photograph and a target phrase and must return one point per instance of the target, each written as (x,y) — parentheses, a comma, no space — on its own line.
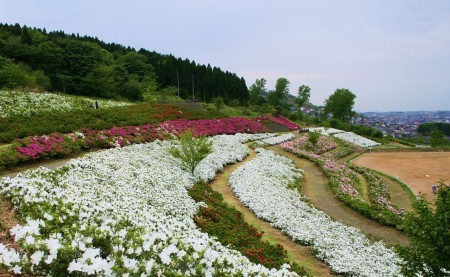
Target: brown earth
(418,170)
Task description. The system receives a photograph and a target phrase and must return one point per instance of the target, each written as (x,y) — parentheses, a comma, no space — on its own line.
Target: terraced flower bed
(264,185)
(346,186)
(122,211)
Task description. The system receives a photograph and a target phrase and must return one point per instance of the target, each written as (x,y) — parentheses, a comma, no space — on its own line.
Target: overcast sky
(393,54)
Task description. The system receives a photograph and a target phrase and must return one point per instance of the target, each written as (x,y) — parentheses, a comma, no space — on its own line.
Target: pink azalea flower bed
(60,145)
(211,127)
(324,144)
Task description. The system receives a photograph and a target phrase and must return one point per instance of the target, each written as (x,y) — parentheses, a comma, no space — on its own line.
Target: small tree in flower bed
(321,144)
(279,120)
(211,127)
(228,225)
(191,151)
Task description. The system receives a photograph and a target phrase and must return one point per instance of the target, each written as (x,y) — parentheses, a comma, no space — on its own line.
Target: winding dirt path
(296,252)
(322,197)
(51,164)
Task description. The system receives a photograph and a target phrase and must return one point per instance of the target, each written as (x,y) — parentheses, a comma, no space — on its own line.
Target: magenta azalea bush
(60,145)
(211,127)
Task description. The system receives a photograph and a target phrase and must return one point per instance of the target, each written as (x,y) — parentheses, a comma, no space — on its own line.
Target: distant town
(400,124)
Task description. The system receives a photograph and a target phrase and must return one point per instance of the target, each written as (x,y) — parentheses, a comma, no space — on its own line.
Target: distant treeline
(83,65)
(426,128)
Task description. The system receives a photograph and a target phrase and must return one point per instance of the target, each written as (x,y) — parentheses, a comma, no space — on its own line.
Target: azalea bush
(45,123)
(356,139)
(346,186)
(323,144)
(228,225)
(262,184)
(210,127)
(122,211)
(273,140)
(14,103)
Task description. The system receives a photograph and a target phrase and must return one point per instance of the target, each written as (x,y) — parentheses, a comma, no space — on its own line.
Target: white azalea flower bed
(325,131)
(28,103)
(275,139)
(356,139)
(262,185)
(122,211)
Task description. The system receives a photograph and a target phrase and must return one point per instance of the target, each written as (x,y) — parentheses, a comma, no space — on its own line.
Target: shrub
(429,231)
(192,151)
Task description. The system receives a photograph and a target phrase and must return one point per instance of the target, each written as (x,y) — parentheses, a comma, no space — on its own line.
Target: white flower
(37,257)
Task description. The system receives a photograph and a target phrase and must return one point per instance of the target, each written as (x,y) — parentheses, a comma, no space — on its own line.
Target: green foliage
(426,128)
(304,92)
(229,227)
(218,103)
(340,105)
(256,90)
(429,231)
(438,139)
(15,75)
(88,66)
(313,137)
(279,95)
(191,151)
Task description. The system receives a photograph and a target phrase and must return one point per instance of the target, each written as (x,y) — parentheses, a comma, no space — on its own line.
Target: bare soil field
(418,170)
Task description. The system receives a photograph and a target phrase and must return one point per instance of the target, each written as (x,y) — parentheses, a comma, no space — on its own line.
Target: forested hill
(31,57)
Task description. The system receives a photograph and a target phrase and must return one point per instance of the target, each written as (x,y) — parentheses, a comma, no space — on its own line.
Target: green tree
(429,232)
(279,95)
(437,139)
(340,105)
(191,151)
(256,90)
(313,137)
(218,102)
(166,92)
(304,92)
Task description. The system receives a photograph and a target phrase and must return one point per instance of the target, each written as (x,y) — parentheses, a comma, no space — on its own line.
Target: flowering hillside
(30,103)
(262,184)
(121,211)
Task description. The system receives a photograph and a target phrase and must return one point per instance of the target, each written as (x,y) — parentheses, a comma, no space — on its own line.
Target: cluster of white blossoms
(356,139)
(345,136)
(29,103)
(275,140)
(262,184)
(122,211)
(325,131)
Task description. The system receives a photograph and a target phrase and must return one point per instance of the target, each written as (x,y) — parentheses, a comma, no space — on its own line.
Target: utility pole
(192,86)
(178,82)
